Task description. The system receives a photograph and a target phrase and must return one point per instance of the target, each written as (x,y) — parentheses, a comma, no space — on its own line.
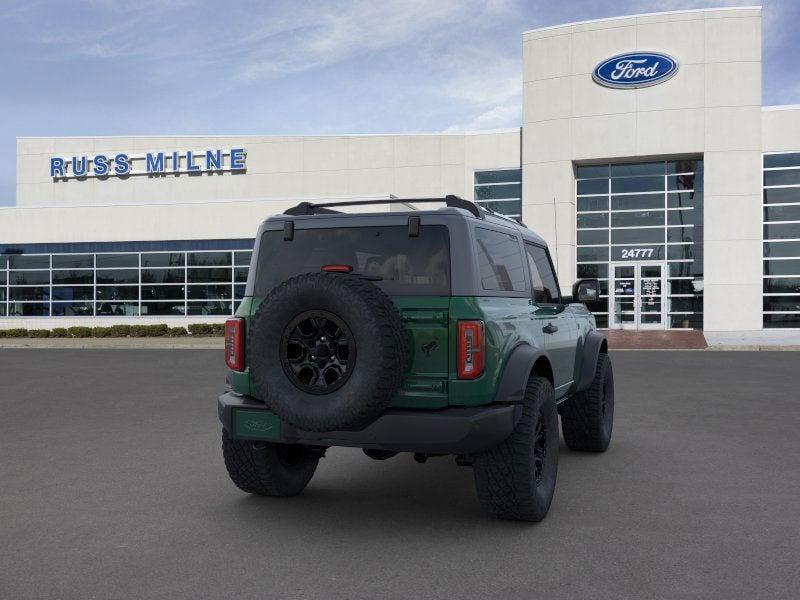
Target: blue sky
(102,67)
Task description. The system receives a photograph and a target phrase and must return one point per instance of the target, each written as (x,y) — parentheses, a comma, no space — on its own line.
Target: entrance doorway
(636,295)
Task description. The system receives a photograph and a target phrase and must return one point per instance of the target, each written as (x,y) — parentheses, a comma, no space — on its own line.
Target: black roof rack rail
(307,208)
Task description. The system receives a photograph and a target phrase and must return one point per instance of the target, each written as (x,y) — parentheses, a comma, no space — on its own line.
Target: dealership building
(645,158)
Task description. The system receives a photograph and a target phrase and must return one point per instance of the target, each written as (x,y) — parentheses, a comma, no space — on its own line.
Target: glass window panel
(686,321)
(121,292)
(73,261)
(28,309)
(637,202)
(29,293)
(209,259)
(493,192)
(684,217)
(681,269)
(589,271)
(593,186)
(240,274)
(782,303)
(209,292)
(782,160)
(3,262)
(601,321)
(25,261)
(788,177)
(242,258)
(684,166)
(782,231)
(782,249)
(680,234)
(73,277)
(592,236)
(782,213)
(163,275)
(637,236)
(684,182)
(2,277)
(592,254)
(685,286)
(782,195)
(499,261)
(639,218)
(209,308)
(638,252)
(651,168)
(787,320)
(599,305)
(543,279)
(162,308)
(683,251)
(782,267)
(113,261)
(685,199)
(636,184)
(29,277)
(238,292)
(592,171)
(498,176)
(2,310)
(694,304)
(597,203)
(209,275)
(782,285)
(593,220)
(164,259)
(117,309)
(72,292)
(73,309)
(2,294)
(513,207)
(162,292)
(118,276)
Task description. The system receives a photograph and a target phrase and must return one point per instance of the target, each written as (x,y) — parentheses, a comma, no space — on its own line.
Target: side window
(545,288)
(499,261)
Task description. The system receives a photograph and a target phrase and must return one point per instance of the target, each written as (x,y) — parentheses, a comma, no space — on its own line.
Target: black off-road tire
(587,419)
(374,375)
(267,469)
(506,475)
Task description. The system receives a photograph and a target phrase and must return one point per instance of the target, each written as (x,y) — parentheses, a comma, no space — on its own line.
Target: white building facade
(660,173)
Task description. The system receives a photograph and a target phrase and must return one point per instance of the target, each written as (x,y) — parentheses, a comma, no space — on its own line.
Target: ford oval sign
(635,70)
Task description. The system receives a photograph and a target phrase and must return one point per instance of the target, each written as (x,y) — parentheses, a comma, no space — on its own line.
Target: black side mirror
(586,290)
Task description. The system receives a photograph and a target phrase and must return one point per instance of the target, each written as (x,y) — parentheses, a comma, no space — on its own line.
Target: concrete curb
(161,343)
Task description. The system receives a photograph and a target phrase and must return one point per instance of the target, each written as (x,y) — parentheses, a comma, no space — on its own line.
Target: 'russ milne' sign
(151,163)
(635,70)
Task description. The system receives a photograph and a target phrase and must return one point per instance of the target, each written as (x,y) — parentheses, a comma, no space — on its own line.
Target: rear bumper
(453,430)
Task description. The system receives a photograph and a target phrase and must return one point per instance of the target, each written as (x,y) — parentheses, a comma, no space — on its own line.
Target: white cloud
(497,117)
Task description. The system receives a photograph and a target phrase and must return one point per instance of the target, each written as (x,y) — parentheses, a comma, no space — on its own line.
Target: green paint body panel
(256,424)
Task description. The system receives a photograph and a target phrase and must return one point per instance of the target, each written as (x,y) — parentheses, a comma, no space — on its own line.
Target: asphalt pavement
(112,486)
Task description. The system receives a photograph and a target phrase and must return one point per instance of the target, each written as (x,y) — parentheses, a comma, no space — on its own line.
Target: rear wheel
(268,469)
(587,418)
(517,478)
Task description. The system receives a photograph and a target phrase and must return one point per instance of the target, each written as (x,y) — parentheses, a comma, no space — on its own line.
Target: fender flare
(516,372)
(594,344)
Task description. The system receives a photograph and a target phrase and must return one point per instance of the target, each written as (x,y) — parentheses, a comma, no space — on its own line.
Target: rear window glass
(407,266)
(499,261)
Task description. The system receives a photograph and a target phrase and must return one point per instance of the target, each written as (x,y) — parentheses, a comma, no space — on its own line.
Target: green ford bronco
(427,331)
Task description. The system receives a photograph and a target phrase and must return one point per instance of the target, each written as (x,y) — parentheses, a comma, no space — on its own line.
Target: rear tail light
(234,344)
(471,349)
(337,268)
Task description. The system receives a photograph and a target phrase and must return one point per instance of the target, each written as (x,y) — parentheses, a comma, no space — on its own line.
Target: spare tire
(327,351)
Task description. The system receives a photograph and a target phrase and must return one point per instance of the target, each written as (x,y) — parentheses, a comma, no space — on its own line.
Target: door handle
(549,328)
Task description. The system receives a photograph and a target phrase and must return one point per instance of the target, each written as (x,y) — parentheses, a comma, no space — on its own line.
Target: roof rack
(307,208)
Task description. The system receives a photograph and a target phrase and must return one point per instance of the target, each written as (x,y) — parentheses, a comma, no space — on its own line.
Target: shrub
(156,330)
(218,329)
(16,332)
(120,330)
(101,332)
(80,332)
(177,331)
(200,329)
(38,333)
(59,332)
(138,331)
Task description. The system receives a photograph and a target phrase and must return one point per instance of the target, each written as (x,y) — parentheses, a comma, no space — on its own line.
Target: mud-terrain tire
(587,419)
(517,478)
(268,469)
(327,351)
